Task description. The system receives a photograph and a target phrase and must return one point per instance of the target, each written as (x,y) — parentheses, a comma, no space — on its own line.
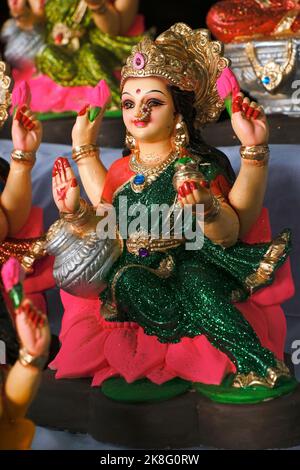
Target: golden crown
(5,96)
(186,58)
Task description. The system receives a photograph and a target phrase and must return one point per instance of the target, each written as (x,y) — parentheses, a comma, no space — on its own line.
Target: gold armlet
(211,213)
(27,158)
(85,151)
(257,155)
(81,217)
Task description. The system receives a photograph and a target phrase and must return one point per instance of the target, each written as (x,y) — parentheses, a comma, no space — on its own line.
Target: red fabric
(118,174)
(42,277)
(229,20)
(100,349)
(220,186)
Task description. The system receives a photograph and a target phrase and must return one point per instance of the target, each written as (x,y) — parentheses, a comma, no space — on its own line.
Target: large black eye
(154,102)
(127,104)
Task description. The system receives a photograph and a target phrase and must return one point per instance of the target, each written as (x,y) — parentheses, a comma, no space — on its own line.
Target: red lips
(140,123)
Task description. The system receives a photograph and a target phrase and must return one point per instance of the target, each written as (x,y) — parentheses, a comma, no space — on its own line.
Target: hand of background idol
(26,130)
(249,121)
(65,188)
(27,13)
(32,328)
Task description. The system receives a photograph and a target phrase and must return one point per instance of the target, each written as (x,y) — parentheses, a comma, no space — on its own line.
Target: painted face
(148,109)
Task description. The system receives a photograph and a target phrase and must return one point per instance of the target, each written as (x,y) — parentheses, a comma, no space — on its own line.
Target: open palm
(33,330)
(65,189)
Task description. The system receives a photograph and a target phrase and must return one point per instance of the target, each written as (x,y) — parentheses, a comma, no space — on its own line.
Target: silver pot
(81,262)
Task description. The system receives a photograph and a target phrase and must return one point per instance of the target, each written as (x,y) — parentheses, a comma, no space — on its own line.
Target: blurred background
(160,14)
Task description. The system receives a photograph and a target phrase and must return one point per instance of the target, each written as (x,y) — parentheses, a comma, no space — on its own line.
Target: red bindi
(138,91)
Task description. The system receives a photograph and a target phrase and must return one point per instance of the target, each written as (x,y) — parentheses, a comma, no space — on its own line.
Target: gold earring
(130,141)
(181,138)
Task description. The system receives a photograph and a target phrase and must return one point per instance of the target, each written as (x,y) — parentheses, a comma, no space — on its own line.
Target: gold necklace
(272,74)
(150,158)
(145,175)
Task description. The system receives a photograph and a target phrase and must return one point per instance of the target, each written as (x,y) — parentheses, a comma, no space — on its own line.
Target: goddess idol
(146,317)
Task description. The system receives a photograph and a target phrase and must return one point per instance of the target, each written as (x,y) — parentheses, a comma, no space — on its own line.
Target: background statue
(73,45)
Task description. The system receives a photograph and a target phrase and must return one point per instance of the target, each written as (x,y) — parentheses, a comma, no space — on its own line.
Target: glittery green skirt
(198,295)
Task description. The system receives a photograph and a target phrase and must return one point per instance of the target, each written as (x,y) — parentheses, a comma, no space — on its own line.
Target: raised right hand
(85,132)
(65,189)
(26,130)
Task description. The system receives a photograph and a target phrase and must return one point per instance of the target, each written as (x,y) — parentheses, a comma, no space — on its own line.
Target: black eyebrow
(157,91)
(126,93)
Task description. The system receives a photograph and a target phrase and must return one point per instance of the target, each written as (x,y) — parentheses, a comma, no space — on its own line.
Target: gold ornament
(5,96)
(264,3)
(145,175)
(130,141)
(253,380)
(266,268)
(64,35)
(187,59)
(272,74)
(26,251)
(28,158)
(85,151)
(284,26)
(181,138)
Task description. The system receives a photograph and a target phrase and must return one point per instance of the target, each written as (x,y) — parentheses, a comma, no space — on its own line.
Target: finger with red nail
(258,112)
(245,105)
(30,121)
(20,112)
(237,103)
(60,169)
(250,111)
(83,110)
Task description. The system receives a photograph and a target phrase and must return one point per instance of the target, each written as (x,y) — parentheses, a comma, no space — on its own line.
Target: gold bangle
(20,156)
(255,152)
(256,162)
(211,213)
(85,151)
(26,359)
(80,217)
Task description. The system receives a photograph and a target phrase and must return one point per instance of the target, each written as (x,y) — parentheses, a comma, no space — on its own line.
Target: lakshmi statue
(24,331)
(234,20)
(75,44)
(22,231)
(143,310)
(20,376)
